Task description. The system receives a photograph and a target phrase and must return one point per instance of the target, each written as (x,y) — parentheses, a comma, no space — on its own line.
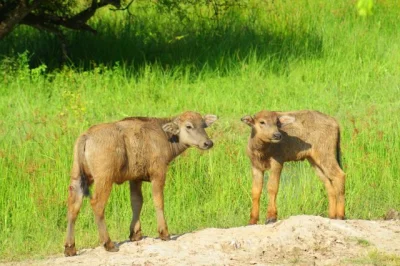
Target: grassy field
(285,55)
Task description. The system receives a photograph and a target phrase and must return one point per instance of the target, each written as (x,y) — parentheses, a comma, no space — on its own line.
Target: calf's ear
(248,119)
(286,120)
(210,119)
(171,127)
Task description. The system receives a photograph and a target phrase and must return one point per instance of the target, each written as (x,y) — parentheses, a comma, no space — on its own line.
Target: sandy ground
(298,240)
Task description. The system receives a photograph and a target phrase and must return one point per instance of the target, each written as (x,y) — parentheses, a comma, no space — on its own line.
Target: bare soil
(298,240)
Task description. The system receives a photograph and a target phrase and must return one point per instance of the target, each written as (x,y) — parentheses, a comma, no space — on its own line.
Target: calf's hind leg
(75,197)
(136,204)
(334,180)
(330,191)
(339,183)
(98,202)
(337,177)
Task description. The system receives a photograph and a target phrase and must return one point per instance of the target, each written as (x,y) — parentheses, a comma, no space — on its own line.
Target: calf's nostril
(208,144)
(277,135)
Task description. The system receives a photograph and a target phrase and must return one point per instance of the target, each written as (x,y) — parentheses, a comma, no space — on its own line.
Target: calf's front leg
(157,185)
(258,180)
(272,187)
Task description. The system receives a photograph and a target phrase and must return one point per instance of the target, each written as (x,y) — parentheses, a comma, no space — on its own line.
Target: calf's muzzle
(207,145)
(277,136)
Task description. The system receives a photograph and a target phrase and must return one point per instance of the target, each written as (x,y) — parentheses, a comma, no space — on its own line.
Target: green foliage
(284,55)
(62,7)
(363,242)
(375,257)
(364,7)
(188,10)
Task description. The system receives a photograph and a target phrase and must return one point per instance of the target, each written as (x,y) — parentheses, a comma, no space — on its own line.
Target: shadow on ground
(136,46)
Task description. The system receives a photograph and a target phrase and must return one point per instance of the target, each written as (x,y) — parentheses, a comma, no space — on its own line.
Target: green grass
(363,242)
(282,56)
(375,257)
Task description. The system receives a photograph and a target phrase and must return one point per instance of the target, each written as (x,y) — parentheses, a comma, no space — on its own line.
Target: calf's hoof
(270,221)
(337,217)
(252,221)
(136,236)
(70,250)
(165,237)
(113,249)
(110,246)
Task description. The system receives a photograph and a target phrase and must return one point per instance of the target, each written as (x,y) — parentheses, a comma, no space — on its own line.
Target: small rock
(235,244)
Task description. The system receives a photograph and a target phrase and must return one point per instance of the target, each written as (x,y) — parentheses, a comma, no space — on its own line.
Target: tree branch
(15,15)
(42,21)
(36,16)
(123,8)
(76,22)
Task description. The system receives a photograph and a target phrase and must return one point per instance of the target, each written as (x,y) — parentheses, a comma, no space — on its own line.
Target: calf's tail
(338,151)
(81,158)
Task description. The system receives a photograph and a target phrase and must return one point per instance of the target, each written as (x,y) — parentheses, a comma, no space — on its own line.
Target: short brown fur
(279,137)
(134,150)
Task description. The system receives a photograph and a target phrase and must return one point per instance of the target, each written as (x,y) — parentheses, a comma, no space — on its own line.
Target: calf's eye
(262,122)
(188,127)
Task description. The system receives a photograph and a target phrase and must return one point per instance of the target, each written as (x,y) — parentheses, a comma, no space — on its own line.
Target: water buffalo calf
(135,149)
(279,137)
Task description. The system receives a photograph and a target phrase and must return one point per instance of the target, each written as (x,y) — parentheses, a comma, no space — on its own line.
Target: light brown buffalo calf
(279,137)
(135,149)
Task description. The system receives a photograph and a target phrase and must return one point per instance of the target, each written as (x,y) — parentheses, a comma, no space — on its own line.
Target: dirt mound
(301,240)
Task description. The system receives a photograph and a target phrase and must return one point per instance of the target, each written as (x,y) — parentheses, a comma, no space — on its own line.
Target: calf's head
(265,125)
(189,127)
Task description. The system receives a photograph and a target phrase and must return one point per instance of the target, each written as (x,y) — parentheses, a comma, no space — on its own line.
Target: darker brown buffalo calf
(135,149)
(279,137)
